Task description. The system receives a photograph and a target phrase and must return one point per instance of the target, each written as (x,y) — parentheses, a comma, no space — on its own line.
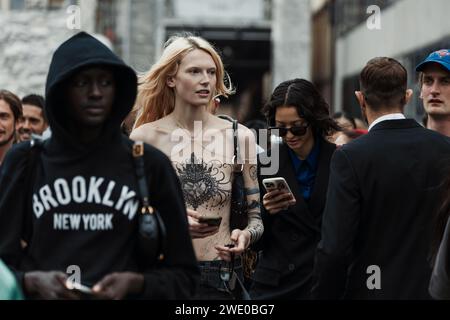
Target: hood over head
(81,51)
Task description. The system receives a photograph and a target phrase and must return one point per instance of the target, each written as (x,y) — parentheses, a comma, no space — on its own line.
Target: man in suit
(381,198)
(300,115)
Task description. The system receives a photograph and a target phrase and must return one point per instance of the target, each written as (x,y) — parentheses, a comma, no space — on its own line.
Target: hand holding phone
(210,220)
(279,196)
(200,226)
(278,183)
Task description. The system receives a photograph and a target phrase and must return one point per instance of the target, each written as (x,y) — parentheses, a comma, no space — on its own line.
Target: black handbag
(239,215)
(151,242)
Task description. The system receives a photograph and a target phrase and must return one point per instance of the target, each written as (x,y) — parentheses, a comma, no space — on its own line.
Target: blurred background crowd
(262,42)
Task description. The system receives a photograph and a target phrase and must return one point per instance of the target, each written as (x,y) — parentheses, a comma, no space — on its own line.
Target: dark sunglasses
(296,130)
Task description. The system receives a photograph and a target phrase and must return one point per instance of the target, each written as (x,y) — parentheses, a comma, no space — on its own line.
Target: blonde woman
(173,114)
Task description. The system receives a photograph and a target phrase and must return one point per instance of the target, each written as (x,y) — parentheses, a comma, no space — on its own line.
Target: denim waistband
(211,271)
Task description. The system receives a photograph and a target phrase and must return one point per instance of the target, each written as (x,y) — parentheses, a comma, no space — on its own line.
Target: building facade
(262,42)
(31,31)
(407,30)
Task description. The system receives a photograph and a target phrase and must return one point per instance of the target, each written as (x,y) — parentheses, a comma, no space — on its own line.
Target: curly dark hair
(308,101)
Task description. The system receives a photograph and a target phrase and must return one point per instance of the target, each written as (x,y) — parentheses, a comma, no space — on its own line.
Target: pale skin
(7,128)
(435,93)
(207,137)
(342,139)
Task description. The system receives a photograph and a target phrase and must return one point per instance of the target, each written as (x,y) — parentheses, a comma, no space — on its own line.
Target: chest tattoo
(204,183)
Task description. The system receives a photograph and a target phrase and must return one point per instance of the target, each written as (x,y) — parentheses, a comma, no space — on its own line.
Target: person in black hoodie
(80,206)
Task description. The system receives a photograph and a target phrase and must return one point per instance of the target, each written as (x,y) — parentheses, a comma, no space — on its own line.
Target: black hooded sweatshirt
(81,205)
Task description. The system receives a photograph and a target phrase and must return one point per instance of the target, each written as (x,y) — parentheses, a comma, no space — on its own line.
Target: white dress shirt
(391,116)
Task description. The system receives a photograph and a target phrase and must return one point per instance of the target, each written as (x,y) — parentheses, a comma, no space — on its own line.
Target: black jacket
(378,218)
(290,237)
(81,206)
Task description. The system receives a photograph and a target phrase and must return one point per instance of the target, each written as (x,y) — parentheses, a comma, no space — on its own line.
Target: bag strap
(236,155)
(36,146)
(238,165)
(138,158)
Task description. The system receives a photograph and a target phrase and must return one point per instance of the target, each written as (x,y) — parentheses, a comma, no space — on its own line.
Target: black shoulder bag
(36,146)
(239,217)
(151,243)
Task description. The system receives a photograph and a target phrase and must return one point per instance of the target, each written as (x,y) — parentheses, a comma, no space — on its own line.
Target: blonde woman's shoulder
(246,138)
(220,123)
(224,124)
(246,132)
(151,132)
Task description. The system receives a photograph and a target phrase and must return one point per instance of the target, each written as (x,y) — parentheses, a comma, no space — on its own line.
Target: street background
(262,42)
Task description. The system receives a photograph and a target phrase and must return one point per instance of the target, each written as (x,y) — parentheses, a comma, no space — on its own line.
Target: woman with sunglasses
(300,116)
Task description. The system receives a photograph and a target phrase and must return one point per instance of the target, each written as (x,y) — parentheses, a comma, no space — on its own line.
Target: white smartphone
(277,183)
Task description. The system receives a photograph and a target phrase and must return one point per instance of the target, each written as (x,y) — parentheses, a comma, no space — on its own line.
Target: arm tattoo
(253,172)
(250,191)
(253,205)
(255,226)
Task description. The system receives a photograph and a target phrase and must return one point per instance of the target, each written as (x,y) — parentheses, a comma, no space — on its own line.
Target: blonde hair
(155,98)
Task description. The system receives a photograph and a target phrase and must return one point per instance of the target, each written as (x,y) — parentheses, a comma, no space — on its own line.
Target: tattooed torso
(206,177)
(206,185)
